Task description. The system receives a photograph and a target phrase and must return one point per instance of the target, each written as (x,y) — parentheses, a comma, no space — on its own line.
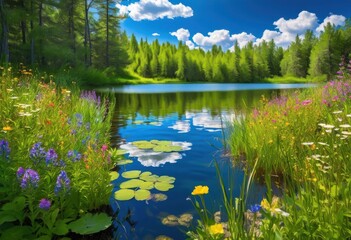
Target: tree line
(56,34)
(307,56)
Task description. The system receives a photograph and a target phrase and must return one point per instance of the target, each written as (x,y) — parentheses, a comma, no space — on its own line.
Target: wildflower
(273,207)
(62,182)
(29,178)
(5,149)
(306,102)
(37,153)
(7,128)
(20,172)
(216,229)
(307,143)
(104,148)
(200,190)
(255,208)
(44,204)
(74,155)
(51,156)
(345,126)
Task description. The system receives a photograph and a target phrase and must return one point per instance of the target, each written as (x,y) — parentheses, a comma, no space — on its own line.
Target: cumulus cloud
(217,37)
(337,20)
(154,9)
(243,38)
(181,126)
(190,44)
(288,29)
(299,25)
(155,34)
(181,34)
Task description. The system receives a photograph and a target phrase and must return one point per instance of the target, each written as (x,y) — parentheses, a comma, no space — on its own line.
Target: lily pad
(144,174)
(124,194)
(143,144)
(89,223)
(146,185)
(132,183)
(166,179)
(114,175)
(163,186)
(151,178)
(158,197)
(142,194)
(123,162)
(167,148)
(131,174)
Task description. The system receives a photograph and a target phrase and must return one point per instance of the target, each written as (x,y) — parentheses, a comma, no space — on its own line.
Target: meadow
(298,145)
(54,158)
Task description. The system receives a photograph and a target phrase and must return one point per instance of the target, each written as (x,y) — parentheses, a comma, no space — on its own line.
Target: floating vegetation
(156,152)
(114,175)
(183,220)
(163,237)
(138,185)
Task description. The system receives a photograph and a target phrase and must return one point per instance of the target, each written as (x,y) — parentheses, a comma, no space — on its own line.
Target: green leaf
(6,217)
(124,162)
(163,186)
(146,185)
(17,204)
(142,194)
(131,174)
(132,183)
(17,232)
(60,228)
(124,194)
(166,178)
(143,144)
(114,175)
(151,178)
(90,223)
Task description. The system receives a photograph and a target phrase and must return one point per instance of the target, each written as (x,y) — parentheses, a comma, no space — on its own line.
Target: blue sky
(202,23)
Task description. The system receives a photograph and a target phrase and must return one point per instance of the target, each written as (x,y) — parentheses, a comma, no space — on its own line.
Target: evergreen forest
(53,35)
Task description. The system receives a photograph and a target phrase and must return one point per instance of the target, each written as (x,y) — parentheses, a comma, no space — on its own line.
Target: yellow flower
(200,190)
(7,128)
(271,207)
(216,229)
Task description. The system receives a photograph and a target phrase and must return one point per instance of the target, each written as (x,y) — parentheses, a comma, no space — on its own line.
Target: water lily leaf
(143,144)
(132,183)
(167,148)
(158,197)
(123,162)
(151,178)
(144,174)
(131,174)
(90,223)
(163,186)
(146,185)
(137,122)
(114,175)
(142,194)
(124,194)
(166,179)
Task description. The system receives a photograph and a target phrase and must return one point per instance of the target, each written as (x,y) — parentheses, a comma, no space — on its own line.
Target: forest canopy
(52,34)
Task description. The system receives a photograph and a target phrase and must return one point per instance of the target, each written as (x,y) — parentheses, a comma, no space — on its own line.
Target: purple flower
(29,178)
(20,172)
(74,155)
(37,153)
(4,149)
(255,208)
(51,157)
(91,96)
(44,204)
(62,182)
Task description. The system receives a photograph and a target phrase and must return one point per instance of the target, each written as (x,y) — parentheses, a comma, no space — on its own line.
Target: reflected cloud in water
(150,158)
(181,126)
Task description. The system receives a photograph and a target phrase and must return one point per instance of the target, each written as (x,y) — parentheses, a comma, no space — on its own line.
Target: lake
(194,118)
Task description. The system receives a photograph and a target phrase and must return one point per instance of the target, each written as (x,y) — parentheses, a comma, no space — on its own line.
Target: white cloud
(299,25)
(218,37)
(181,34)
(155,34)
(337,20)
(181,126)
(154,9)
(190,44)
(288,29)
(243,38)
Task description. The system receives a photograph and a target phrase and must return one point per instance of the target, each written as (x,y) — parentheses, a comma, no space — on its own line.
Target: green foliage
(89,223)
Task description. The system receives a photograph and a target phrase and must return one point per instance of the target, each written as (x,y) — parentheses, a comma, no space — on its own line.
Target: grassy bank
(299,143)
(54,161)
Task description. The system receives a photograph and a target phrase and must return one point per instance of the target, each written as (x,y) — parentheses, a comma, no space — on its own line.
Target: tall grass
(301,143)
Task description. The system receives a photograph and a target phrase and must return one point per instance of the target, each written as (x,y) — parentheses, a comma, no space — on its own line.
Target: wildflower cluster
(4,149)
(62,183)
(27,177)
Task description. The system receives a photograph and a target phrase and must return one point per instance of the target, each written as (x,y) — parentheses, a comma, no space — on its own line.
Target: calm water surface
(195,116)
